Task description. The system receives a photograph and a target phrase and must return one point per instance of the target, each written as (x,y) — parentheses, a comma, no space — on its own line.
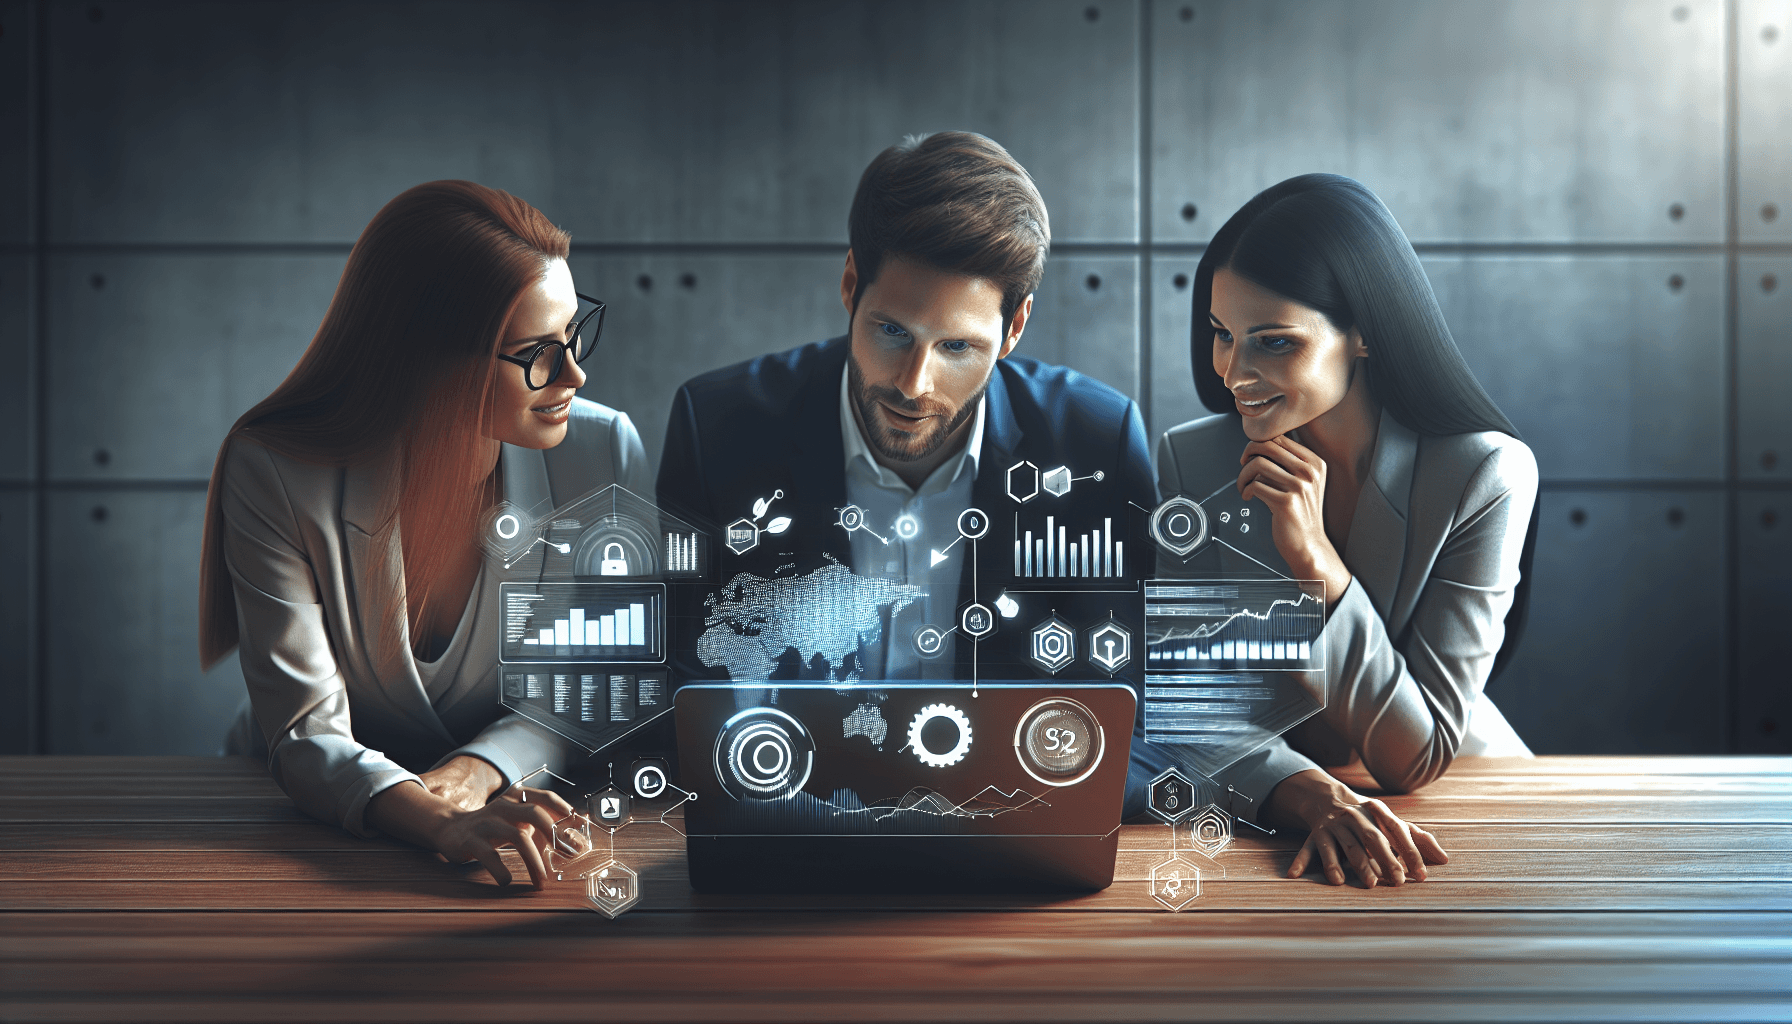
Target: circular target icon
(908,527)
(930,642)
(1179,525)
(764,754)
(972,523)
(852,517)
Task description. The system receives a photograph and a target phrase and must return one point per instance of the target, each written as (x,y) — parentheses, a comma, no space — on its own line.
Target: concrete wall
(1601,191)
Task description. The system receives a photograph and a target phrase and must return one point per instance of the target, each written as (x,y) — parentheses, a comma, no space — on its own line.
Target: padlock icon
(617,566)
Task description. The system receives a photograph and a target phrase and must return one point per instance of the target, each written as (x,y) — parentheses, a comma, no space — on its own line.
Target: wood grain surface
(1578,888)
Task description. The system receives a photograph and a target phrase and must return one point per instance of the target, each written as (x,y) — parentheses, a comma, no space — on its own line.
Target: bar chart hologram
(681,552)
(583,622)
(1053,552)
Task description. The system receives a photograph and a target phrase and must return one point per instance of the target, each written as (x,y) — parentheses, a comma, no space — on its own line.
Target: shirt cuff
(1247,783)
(355,800)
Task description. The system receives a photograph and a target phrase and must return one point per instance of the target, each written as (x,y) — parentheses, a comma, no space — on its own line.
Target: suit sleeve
(630,456)
(298,695)
(681,486)
(1405,706)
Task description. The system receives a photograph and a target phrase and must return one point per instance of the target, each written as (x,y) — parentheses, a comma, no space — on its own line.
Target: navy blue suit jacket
(742,432)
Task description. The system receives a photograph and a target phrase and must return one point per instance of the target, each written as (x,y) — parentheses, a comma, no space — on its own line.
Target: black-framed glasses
(543,363)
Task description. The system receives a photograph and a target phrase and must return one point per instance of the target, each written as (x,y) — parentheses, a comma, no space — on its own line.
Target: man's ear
(849,283)
(1019,325)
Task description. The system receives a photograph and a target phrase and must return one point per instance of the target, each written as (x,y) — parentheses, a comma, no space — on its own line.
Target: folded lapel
(375,569)
(1002,441)
(1376,550)
(817,468)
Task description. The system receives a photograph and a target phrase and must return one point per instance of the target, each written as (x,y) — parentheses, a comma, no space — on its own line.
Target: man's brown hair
(955,201)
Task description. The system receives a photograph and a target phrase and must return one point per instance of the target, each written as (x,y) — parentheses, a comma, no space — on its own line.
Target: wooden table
(1579,888)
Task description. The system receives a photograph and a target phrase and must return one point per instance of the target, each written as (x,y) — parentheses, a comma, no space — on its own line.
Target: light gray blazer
(1433,551)
(313,554)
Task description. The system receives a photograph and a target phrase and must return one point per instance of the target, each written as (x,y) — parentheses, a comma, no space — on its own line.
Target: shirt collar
(857,448)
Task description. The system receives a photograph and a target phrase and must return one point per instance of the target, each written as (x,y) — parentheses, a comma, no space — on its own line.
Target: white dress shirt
(879,550)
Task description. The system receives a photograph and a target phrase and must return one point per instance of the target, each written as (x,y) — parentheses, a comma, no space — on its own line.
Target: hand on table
(520,818)
(1349,830)
(466,782)
(1290,479)
(436,816)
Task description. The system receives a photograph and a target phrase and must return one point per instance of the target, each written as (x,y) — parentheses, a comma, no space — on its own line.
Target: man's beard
(892,444)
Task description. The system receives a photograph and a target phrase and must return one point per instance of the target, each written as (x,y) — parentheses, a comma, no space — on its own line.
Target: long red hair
(403,358)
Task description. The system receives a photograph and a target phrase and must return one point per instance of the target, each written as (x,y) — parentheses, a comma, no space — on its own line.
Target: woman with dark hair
(1346,417)
(341,551)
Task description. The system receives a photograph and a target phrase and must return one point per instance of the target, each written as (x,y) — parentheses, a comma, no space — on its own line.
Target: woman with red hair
(341,553)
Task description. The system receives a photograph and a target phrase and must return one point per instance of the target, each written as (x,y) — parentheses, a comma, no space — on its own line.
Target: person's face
(1285,364)
(924,343)
(517,415)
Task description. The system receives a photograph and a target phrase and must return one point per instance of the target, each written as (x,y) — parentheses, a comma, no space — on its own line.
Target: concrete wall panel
(1764,353)
(153,357)
(1517,120)
(1623,653)
(1763,614)
(1764,119)
(123,647)
(700,120)
(1610,366)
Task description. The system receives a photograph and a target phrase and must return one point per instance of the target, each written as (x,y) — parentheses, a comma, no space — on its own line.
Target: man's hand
(1345,829)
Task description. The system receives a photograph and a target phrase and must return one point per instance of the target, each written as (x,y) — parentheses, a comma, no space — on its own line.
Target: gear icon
(959,749)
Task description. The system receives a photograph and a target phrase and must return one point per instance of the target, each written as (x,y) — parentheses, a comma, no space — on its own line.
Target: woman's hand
(1345,829)
(467,782)
(521,818)
(1290,479)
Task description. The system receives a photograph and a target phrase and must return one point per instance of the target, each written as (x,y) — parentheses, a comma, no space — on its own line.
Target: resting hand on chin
(1290,479)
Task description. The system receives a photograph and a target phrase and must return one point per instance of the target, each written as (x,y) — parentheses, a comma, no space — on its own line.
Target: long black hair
(1327,242)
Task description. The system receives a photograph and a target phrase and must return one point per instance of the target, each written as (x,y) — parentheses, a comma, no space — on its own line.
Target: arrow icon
(938,557)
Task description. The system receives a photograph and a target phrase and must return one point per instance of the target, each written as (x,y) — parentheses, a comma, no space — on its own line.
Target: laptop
(903,786)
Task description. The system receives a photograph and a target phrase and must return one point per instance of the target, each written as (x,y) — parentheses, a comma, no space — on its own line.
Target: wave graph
(1213,624)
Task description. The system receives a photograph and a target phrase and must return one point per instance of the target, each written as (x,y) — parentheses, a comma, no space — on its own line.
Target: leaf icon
(778,525)
(759,508)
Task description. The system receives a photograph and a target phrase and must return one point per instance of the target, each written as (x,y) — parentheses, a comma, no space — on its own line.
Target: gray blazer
(313,554)
(1433,551)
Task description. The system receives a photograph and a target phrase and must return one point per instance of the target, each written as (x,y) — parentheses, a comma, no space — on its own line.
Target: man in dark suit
(919,452)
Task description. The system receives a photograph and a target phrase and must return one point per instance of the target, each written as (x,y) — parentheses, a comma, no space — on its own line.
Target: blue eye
(1275,344)
(957,345)
(1223,336)
(892,331)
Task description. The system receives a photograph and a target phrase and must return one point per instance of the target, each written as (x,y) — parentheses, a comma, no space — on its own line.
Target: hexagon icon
(1179,525)
(1023,482)
(609,808)
(572,852)
(1172,796)
(977,621)
(611,888)
(507,531)
(1110,646)
(1052,645)
(743,536)
(1057,481)
(1210,831)
(1175,883)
